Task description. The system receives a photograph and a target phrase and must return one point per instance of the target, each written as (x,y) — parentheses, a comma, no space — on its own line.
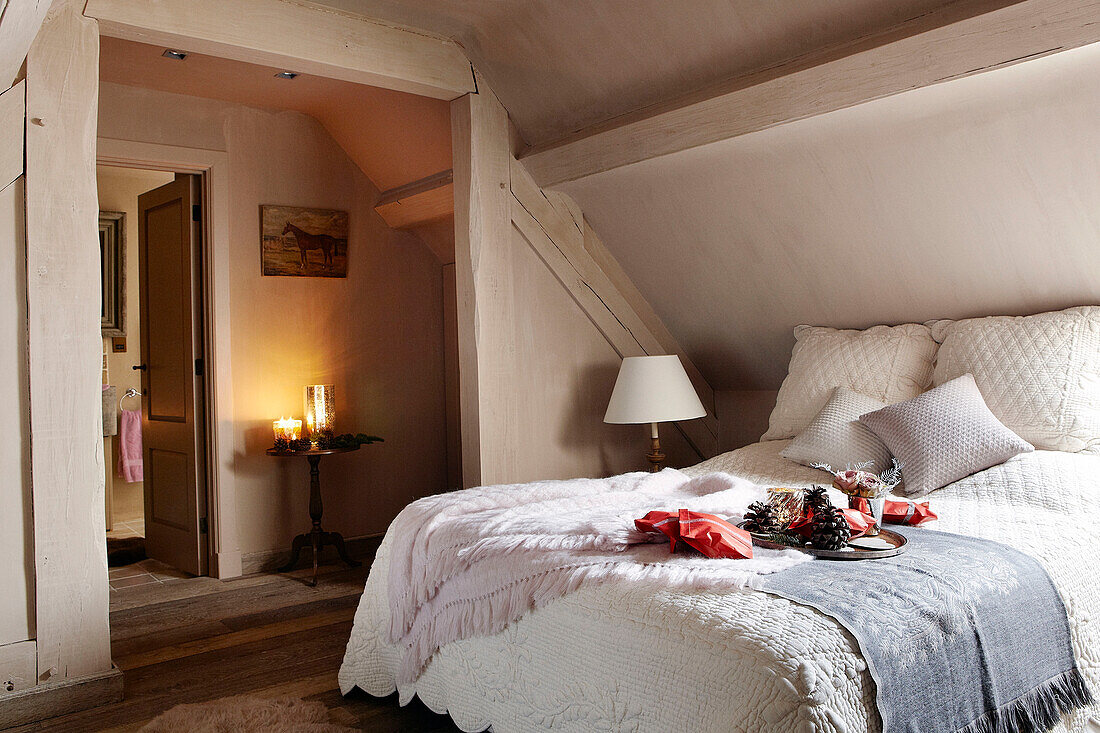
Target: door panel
(169,471)
(172,408)
(167,275)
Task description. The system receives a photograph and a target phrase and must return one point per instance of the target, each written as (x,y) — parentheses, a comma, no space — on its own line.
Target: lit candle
(287,428)
(320,411)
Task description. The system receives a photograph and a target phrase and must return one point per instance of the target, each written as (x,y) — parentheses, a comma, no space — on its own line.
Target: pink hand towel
(129,446)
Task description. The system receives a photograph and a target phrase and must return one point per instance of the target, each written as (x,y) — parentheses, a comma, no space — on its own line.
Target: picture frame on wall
(300,242)
(112,262)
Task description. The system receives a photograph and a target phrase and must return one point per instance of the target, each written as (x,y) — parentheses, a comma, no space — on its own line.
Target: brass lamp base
(655,456)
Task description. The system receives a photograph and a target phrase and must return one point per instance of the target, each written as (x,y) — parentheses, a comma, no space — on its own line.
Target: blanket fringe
(430,633)
(1039,710)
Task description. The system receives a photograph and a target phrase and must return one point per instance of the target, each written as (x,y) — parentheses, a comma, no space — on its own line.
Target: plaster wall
(979,196)
(376,335)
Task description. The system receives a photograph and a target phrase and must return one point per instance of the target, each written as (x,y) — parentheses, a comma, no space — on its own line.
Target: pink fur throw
(470,562)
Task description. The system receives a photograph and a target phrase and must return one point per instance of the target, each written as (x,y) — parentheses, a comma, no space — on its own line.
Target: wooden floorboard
(200,639)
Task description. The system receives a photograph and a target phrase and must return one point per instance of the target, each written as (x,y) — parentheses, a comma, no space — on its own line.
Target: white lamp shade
(652,389)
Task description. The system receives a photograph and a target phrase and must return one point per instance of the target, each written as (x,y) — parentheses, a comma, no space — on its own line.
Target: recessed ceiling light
(171,53)
(286,75)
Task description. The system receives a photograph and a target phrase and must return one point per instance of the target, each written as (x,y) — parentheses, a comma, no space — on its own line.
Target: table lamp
(653,389)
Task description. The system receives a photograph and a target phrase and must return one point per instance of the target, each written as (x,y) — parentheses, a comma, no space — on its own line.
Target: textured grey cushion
(944,435)
(837,437)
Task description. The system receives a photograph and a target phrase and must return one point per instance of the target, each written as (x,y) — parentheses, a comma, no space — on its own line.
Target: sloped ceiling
(562,65)
(975,197)
(393,137)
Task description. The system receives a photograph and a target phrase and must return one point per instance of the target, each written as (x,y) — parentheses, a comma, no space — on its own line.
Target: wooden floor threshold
(270,636)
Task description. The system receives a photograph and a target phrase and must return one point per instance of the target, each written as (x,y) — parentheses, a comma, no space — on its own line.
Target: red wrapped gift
(858,523)
(667,523)
(907,512)
(804,525)
(713,536)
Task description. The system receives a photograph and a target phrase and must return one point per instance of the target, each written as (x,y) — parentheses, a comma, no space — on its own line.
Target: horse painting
(307,241)
(300,242)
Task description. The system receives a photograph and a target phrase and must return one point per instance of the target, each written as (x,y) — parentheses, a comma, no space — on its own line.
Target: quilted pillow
(888,363)
(944,435)
(837,437)
(1040,375)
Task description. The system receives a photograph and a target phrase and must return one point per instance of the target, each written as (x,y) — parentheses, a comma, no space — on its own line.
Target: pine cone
(817,496)
(760,518)
(830,530)
(282,444)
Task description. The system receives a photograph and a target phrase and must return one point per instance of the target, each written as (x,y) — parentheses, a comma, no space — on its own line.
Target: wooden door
(172,412)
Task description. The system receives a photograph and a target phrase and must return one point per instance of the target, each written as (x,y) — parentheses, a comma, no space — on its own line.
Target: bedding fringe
(549,586)
(1039,710)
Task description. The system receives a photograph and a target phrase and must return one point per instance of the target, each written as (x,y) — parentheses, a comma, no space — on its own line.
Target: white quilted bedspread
(634,657)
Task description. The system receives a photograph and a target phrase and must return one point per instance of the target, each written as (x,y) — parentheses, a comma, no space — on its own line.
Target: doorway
(155,442)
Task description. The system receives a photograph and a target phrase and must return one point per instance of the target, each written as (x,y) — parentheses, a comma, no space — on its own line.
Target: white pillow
(888,363)
(944,435)
(836,436)
(1040,375)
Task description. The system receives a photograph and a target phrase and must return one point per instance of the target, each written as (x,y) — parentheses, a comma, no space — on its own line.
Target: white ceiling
(562,65)
(975,197)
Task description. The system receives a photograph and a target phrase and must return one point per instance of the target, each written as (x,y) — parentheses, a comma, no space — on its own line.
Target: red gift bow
(903,512)
(710,535)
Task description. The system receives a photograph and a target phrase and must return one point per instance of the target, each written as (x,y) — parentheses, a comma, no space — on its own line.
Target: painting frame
(112,263)
(299,241)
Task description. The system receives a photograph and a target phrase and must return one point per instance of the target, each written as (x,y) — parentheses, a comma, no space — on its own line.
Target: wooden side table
(316,538)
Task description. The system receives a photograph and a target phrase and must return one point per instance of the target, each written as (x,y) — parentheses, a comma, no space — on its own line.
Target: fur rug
(243,713)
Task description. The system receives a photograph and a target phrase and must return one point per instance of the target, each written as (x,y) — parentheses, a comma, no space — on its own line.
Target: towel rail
(128,393)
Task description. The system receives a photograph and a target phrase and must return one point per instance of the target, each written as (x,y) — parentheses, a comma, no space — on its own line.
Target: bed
(638,657)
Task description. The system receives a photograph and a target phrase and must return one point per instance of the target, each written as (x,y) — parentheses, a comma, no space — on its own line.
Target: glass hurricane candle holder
(287,428)
(786,503)
(320,412)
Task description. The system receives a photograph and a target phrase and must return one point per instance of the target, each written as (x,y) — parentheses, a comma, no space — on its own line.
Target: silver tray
(849,552)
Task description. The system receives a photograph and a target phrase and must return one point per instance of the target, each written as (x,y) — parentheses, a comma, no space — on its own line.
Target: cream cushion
(836,436)
(1040,375)
(888,363)
(944,435)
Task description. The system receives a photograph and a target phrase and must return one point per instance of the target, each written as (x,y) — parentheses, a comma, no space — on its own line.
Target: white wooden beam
(419,208)
(19,24)
(557,230)
(422,185)
(483,230)
(993,40)
(64,348)
(424,200)
(295,35)
(13,110)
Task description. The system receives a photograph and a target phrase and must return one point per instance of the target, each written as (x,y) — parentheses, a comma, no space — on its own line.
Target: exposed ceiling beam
(806,88)
(418,202)
(425,184)
(19,24)
(295,35)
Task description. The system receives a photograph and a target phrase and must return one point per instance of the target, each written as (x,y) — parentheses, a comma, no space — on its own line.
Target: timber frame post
(482,198)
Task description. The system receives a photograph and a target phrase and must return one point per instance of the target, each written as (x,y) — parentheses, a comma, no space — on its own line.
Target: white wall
(377,335)
(16,530)
(973,197)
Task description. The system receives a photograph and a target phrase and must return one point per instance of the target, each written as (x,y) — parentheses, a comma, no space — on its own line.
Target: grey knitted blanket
(959,633)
